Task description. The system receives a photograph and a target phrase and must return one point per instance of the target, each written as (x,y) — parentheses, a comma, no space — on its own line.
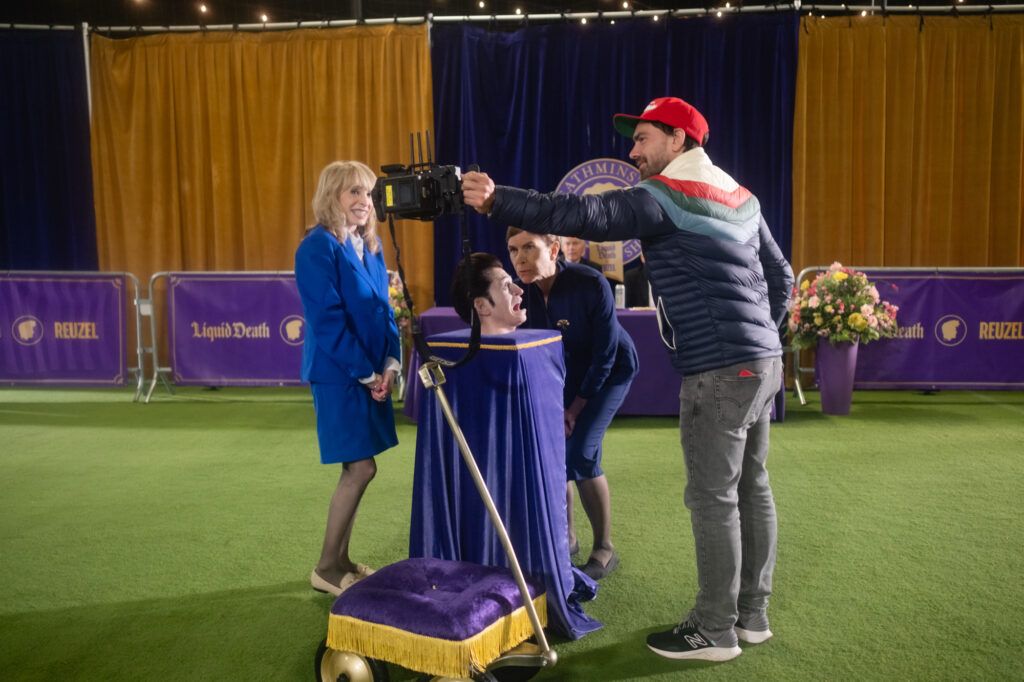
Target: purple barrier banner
(957,330)
(235,329)
(62,329)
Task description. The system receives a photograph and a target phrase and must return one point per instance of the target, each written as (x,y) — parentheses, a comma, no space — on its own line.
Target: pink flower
(813,302)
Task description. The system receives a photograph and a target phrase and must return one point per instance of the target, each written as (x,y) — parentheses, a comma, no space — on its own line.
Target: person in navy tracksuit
(350,355)
(600,363)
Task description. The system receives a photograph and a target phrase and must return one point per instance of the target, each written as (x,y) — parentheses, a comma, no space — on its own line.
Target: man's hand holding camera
(478,191)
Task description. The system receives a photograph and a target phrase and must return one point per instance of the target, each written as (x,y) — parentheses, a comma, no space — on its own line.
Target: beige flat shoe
(362,570)
(348,580)
(321,585)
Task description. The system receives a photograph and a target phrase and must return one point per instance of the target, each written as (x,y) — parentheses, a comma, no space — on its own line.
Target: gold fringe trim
(494,346)
(440,657)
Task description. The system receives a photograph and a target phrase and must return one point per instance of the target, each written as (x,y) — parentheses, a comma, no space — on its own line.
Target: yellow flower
(858,322)
(804,285)
(839,276)
(818,320)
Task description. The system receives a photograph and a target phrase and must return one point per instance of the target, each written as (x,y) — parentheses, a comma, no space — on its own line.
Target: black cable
(419,343)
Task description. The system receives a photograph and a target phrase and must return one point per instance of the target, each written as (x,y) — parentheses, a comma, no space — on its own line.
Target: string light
(718,13)
(264,18)
(625,5)
(481,3)
(583,20)
(202,8)
(518,11)
(655,17)
(863,12)
(612,21)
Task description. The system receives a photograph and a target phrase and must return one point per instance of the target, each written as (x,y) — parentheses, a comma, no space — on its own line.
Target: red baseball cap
(671,111)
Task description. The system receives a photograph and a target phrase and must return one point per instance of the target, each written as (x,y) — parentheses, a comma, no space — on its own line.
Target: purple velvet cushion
(451,600)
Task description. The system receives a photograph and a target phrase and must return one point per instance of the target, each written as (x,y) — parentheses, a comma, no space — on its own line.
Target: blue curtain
(46,205)
(530,105)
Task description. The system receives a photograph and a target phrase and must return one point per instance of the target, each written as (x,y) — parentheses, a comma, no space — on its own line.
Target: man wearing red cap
(720,287)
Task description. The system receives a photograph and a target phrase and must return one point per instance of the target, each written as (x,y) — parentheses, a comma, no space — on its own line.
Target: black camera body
(422,191)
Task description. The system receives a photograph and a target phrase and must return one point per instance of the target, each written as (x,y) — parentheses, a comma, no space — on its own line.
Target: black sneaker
(752,636)
(686,641)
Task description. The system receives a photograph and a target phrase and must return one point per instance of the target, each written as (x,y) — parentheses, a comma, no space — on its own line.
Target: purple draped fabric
(508,401)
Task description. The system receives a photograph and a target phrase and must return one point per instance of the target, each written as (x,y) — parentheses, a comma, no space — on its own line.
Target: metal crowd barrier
(24,329)
(242,313)
(812,271)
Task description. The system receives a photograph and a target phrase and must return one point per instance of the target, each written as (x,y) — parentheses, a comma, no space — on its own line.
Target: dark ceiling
(187,12)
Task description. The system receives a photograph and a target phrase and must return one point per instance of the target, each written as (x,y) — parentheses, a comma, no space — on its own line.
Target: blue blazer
(350,327)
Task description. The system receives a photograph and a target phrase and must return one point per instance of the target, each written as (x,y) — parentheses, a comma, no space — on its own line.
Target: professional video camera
(422,190)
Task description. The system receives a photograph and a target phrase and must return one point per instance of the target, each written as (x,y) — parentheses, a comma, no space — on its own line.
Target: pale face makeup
(506,312)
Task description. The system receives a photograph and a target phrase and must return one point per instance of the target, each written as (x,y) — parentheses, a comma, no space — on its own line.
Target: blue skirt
(583,447)
(351,425)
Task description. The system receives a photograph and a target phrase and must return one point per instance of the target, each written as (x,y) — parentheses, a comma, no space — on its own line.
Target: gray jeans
(723,419)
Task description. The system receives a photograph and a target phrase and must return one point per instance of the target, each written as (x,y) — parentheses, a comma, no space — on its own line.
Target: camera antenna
(412,151)
(430,157)
(419,141)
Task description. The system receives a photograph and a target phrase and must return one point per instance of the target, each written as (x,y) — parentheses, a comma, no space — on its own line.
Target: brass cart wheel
(330,665)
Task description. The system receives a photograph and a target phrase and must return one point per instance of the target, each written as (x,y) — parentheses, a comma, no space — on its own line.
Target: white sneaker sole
(715,653)
(753,636)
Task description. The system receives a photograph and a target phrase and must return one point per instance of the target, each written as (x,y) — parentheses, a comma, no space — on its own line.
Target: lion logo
(293,330)
(951,330)
(27,330)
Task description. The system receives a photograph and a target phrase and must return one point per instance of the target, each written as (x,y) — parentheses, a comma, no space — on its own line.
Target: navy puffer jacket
(720,281)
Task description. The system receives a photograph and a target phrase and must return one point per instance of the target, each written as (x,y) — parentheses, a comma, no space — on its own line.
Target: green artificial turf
(173,541)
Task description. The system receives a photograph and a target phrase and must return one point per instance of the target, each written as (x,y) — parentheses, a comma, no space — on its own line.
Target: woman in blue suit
(350,354)
(600,363)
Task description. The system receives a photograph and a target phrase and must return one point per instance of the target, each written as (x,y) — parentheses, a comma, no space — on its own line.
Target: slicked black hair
(471,282)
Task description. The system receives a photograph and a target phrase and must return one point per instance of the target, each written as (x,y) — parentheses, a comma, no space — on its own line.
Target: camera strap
(419,343)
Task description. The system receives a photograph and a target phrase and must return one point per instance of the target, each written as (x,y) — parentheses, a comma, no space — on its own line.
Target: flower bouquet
(403,316)
(839,305)
(836,312)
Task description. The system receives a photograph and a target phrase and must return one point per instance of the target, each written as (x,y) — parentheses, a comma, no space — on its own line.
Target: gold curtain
(909,142)
(207,146)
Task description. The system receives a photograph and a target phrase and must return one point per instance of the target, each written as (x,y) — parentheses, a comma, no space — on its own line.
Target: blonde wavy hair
(338,177)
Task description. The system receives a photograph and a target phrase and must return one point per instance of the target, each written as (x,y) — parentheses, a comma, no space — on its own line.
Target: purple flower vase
(835,366)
